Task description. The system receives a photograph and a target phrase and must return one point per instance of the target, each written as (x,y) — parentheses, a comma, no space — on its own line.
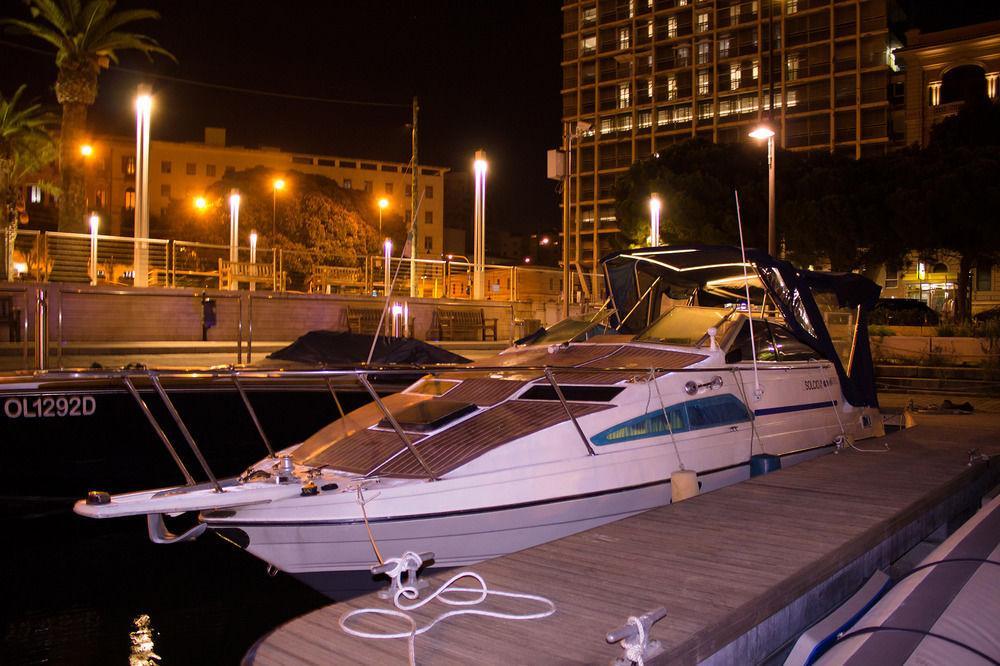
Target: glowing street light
(234,224)
(276,186)
(388,258)
(95,221)
(761,133)
(200,203)
(143,110)
(253,258)
(86,150)
(654,220)
(383,203)
(480,167)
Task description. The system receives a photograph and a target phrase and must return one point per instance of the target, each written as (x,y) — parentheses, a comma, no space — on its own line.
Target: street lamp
(94,223)
(200,203)
(234,224)
(86,150)
(278,184)
(480,166)
(760,133)
(383,203)
(654,220)
(388,257)
(143,109)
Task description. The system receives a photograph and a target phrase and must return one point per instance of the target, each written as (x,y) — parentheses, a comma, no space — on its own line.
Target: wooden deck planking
(720,563)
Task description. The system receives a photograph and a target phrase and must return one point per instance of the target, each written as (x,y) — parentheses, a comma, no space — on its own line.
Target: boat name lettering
(815,384)
(49,406)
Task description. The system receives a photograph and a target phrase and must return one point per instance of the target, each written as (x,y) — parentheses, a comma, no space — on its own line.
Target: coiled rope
(411,560)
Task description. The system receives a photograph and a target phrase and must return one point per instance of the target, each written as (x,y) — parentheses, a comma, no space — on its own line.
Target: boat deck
(740,570)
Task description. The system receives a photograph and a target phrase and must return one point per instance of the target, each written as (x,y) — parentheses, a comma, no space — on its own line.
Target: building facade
(183,171)
(639,75)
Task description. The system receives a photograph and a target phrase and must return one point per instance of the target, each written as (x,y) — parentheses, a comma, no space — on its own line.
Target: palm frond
(53,37)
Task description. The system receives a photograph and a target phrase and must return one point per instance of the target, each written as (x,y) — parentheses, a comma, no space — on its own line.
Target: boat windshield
(685,325)
(574,329)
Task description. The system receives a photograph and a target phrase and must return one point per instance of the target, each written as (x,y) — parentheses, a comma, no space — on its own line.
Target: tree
(25,148)
(318,221)
(88,37)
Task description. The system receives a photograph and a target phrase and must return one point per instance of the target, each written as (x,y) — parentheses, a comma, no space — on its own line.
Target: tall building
(184,170)
(639,75)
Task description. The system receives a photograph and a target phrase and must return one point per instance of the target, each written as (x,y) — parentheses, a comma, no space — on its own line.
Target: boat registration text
(49,407)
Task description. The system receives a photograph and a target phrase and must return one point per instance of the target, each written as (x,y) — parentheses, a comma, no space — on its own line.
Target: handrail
(569,412)
(169,404)
(395,425)
(157,429)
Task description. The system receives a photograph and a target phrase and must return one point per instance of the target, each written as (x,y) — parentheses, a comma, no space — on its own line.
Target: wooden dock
(740,571)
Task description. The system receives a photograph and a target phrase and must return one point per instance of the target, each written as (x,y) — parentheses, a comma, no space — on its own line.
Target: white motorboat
(590,422)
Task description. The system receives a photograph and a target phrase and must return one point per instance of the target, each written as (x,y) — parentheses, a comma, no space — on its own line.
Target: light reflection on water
(142,643)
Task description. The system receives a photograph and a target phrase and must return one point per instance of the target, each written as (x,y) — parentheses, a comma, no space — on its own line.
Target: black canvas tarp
(336,348)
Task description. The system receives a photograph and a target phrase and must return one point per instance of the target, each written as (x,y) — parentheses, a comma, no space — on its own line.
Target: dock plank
(720,563)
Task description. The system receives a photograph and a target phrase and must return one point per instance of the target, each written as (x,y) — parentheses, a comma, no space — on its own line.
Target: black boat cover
(681,272)
(335,348)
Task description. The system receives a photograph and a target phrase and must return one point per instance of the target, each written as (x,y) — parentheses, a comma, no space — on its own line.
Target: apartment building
(183,171)
(639,75)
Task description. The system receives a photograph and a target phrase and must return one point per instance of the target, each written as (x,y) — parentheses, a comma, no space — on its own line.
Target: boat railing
(22,325)
(326,376)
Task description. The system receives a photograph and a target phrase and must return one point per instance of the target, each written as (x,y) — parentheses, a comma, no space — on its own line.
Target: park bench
(10,317)
(460,324)
(232,273)
(363,320)
(329,279)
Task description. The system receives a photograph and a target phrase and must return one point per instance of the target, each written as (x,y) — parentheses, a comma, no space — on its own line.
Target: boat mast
(414,200)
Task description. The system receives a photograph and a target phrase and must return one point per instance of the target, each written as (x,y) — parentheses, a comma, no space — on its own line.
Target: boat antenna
(758,392)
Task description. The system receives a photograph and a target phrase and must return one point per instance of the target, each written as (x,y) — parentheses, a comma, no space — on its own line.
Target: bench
(458,324)
(232,273)
(11,318)
(363,320)
(328,279)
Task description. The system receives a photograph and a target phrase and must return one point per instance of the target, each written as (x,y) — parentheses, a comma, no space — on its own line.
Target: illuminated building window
(703,82)
(128,165)
(682,3)
(703,22)
(735,74)
(645,120)
(791,6)
(649,88)
(734,14)
(672,26)
(705,111)
(683,58)
(649,29)
(100,197)
(35,194)
(756,69)
(704,53)
(347,183)
(624,96)
(991,84)
(589,15)
(792,62)
(129,198)
(588,44)
(934,90)
(671,87)
(624,38)
(725,44)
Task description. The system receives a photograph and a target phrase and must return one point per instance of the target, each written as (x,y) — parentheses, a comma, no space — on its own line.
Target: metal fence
(67,257)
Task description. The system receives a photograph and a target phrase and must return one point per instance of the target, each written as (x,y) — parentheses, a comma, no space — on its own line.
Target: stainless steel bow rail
(362,376)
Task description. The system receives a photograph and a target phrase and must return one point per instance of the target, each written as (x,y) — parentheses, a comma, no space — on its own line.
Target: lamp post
(253,258)
(143,110)
(94,222)
(278,184)
(234,224)
(386,262)
(761,133)
(480,166)
(654,220)
(383,203)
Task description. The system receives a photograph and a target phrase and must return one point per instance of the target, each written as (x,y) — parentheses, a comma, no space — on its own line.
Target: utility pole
(414,202)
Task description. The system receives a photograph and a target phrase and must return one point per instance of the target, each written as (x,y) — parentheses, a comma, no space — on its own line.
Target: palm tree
(88,36)
(25,148)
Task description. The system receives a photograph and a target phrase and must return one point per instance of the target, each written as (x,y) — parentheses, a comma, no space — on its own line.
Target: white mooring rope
(411,560)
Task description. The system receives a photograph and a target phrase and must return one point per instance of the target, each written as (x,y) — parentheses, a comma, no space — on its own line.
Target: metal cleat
(634,638)
(394,567)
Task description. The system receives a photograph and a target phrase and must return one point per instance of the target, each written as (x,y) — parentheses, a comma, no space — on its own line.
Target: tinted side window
(789,347)
(742,350)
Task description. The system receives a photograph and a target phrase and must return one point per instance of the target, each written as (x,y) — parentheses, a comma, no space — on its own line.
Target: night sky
(487,75)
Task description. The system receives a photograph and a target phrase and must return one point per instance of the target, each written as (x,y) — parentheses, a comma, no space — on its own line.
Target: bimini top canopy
(827,311)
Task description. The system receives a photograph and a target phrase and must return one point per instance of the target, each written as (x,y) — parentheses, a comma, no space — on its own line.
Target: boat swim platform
(741,571)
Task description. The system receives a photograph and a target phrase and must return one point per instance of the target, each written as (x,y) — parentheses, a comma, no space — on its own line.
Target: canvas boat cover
(335,348)
(827,311)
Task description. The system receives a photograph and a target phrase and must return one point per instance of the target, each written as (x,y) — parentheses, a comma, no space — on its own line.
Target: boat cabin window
(684,325)
(572,330)
(773,341)
(697,414)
